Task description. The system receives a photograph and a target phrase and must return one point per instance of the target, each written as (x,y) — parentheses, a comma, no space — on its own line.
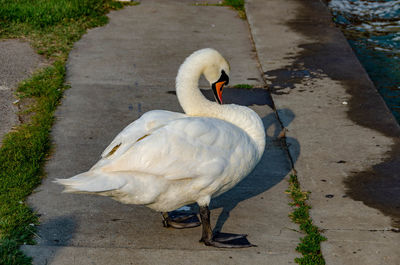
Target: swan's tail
(91,181)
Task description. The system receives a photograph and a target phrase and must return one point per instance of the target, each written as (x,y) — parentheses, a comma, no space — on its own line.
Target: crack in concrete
(282,138)
(394,230)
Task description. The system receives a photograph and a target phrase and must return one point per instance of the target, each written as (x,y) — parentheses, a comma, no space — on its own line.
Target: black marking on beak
(224,78)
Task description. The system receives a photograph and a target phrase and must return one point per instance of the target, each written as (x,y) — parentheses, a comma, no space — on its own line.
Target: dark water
(372,28)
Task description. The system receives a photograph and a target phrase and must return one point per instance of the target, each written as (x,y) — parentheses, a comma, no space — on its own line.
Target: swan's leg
(220,240)
(165,218)
(180,221)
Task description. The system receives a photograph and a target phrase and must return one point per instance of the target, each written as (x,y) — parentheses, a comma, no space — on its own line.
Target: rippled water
(373,30)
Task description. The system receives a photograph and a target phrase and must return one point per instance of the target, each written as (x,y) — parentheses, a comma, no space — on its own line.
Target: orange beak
(219,87)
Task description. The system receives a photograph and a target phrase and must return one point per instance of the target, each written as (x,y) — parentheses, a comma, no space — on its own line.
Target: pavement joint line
(259,65)
(361,241)
(166,249)
(284,144)
(255,86)
(393,230)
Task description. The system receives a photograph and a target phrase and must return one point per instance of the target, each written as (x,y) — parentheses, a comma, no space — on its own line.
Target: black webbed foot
(220,240)
(180,220)
(227,240)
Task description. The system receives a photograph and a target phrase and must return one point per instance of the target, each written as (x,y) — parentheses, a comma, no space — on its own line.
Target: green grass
(43,13)
(238,5)
(21,157)
(310,244)
(243,86)
(51,26)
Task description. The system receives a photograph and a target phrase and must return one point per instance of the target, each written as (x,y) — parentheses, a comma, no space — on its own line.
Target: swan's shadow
(273,167)
(57,231)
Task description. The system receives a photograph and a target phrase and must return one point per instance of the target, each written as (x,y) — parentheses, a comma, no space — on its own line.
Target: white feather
(145,125)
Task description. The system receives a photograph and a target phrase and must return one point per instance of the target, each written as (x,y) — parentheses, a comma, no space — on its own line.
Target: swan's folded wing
(138,129)
(185,148)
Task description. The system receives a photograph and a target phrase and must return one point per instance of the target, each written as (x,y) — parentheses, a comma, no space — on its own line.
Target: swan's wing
(184,149)
(138,129)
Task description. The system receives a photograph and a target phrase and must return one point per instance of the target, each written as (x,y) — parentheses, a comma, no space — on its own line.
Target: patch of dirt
(18,62)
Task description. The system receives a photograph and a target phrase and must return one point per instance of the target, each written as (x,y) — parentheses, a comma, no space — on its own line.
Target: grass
(310,244)
(238,5)
(51,26)
(243,86)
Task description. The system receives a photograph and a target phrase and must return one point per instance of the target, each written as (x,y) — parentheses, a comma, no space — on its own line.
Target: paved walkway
(128,67)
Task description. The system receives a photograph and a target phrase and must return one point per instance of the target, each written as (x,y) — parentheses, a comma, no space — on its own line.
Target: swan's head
(216,71)
(212,65)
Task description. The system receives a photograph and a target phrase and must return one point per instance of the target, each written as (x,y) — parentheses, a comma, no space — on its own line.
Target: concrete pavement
(347,142)
(128,67)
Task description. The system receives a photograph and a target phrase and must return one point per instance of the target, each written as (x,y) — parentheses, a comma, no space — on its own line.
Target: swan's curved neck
(194,103)
(187,91)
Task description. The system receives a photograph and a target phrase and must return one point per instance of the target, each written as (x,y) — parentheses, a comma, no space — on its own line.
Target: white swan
(166,160)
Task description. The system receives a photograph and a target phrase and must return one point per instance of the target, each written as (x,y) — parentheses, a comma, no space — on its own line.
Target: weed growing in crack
(310,244)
